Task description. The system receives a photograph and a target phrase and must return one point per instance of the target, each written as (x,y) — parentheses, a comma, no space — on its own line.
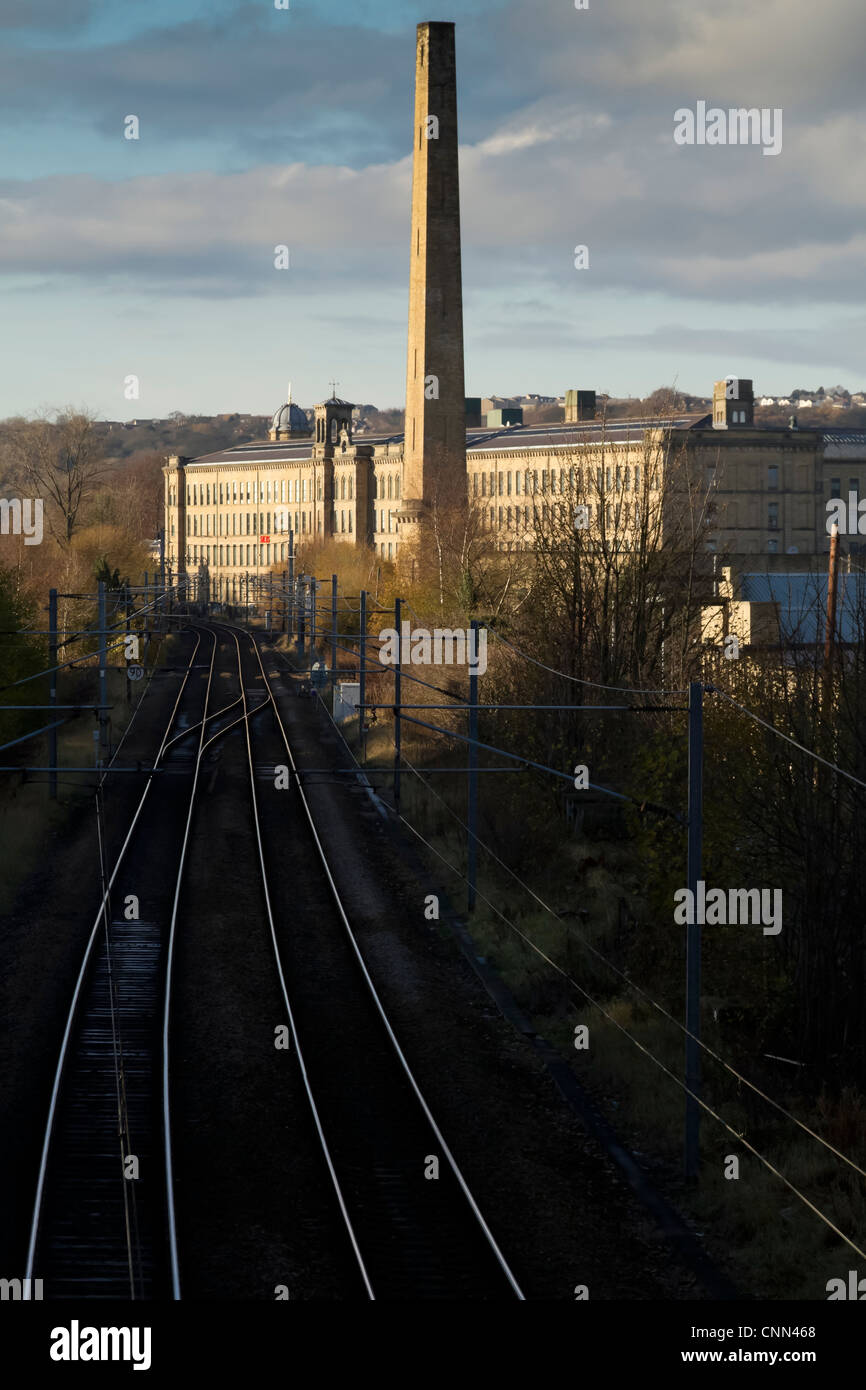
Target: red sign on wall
(265,540)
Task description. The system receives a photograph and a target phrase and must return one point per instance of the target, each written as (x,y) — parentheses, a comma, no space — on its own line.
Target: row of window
(256,554)
(561,480)
(503,483)
(290,490)
(248,555)
(835,484)
(287,490)
(393,486)
(259,523)
(624,513)
(242,523)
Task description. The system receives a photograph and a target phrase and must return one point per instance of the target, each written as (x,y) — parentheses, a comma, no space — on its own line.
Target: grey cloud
(578,164)
(56,15)
(835,343)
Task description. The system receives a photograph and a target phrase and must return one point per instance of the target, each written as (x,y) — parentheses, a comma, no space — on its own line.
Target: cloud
(203,226)
(235,82)
(62,14)
(834,343)
(301,135)
(700,222)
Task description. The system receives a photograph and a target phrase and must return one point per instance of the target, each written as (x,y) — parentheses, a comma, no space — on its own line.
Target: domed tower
(290,422)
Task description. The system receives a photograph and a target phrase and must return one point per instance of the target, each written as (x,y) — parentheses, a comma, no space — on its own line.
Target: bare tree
(619,534)
(461,565)
(61,460)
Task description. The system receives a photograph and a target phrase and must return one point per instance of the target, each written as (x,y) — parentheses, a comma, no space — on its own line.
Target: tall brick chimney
(435,447)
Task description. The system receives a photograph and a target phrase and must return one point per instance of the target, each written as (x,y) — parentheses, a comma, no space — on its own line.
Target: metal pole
(302,620)
(314,584)
(693,929)
(472,809)
(334,629)
(52,690)
(830,625)
(362,686)
(127,629)
(291,584)
(398,604)
(103,674)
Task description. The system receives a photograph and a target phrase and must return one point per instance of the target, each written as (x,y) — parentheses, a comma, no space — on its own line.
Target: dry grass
(27,814)
(768,1239)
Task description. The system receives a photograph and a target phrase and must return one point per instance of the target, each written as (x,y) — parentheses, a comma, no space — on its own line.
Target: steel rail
(464,1186)
(82,973)
(174,1260)
(314,1109)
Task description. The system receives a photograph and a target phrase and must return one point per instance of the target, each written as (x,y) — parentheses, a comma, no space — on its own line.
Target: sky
(154,258)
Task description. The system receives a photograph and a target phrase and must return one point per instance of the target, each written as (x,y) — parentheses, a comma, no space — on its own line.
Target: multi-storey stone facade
(229,515)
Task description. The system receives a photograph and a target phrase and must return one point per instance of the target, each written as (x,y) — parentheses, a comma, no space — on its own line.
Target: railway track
(410,1226)
(415,1229)
(96,1226)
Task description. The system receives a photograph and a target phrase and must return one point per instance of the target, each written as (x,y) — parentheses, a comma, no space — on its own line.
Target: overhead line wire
(661,1065)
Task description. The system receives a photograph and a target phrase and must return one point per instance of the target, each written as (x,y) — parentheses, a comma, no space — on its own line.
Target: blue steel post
(398,606)
(693,929)
(362,678)
(314,585)
(334,632)
(127,598)
(290,587)
(472,810)
(52,689)
(103,674)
